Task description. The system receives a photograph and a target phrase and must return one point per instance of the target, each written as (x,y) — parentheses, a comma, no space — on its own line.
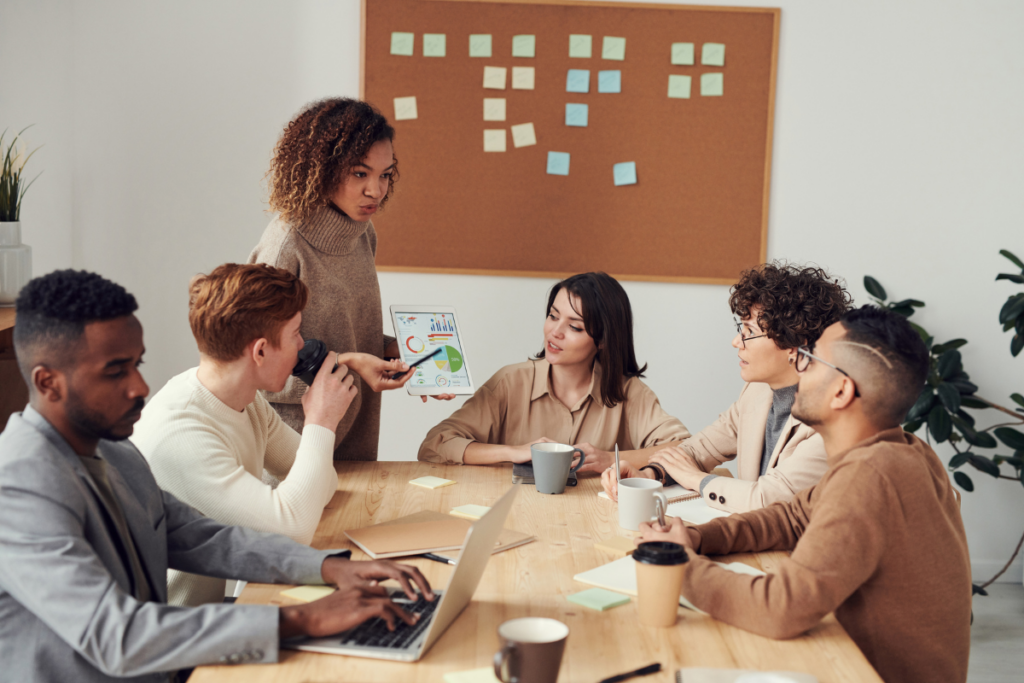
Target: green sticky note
(613,48)
(434,44)
(712,85)
(682,54)
(480,45)
(524,46)
(679,86)
(580,45)
(599,599)
(713,54)
(402,43)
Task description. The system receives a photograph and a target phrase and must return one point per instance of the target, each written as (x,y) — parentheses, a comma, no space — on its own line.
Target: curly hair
(796,303)
(318,149)
(54,309)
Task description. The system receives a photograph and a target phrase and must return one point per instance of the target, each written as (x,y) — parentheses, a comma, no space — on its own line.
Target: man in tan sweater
(879,540)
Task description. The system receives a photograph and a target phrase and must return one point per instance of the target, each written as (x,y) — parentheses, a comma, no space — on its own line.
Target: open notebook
(620,576)
(423,532)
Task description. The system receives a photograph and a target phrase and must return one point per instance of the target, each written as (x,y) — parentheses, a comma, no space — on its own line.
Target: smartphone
(421,360)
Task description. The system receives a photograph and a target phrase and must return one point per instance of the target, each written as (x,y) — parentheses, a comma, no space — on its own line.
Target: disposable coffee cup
(659,578)
(531,650)
(311,357)
(639,500)
(552,463)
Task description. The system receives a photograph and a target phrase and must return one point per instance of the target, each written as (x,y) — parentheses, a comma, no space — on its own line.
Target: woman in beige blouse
(583,388)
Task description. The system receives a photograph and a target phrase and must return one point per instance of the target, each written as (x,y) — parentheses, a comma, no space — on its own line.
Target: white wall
(897,148)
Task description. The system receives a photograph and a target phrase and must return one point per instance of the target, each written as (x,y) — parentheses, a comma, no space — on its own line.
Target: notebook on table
(424,532)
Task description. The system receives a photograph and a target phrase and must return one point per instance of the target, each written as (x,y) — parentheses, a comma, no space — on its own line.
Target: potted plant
(948,395)
(15,257)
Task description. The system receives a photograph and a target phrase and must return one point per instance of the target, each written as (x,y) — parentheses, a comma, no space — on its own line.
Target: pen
(617,475)
(438,558)
(645,671)
(421,360)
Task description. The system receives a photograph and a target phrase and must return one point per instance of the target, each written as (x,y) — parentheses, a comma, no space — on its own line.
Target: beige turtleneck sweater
(334,256)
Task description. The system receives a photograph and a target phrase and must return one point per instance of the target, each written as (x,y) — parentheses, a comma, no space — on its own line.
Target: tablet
(422,330)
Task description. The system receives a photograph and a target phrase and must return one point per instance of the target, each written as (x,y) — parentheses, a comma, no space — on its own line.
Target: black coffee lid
(310,357)
(660,553)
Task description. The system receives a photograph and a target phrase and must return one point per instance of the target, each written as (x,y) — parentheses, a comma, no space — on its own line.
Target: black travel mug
(311,357)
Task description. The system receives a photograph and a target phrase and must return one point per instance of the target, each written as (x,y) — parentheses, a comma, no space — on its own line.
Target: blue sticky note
(558,163)
(625,173)
(578,80)
(609,81)
(576,115)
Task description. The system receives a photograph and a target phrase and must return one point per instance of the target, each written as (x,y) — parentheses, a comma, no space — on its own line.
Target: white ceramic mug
(638,502)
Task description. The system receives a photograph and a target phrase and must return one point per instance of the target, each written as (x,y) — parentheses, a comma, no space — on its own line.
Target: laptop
(409,643)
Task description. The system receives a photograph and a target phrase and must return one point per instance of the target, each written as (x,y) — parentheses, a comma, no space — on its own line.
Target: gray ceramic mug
(531,650)
(552,463)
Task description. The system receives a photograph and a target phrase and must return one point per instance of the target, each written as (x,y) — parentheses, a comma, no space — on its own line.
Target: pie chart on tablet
(415,344)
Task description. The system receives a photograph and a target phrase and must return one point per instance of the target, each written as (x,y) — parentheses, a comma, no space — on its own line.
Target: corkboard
(699,210)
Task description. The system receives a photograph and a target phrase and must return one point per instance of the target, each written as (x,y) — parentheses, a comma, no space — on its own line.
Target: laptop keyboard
(375,633)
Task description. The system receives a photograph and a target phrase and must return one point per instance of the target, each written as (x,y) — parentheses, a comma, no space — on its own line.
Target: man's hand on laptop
(341,610)
(348,574)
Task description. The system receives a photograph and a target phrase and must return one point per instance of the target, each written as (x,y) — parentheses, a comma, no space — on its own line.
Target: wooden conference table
(534,580)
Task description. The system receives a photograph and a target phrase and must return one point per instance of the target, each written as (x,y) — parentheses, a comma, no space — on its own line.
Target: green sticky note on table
(484,675)
(402,43)
(713,54)
(679,86)
(480,45)
(580,45)
(599,599)
(682,54)
(712,85)
(613,48)
(524,46)
(434,44)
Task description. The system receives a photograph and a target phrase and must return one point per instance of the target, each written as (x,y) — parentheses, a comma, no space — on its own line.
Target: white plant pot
(15,262)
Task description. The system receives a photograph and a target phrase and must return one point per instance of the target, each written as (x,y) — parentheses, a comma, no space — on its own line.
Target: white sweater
(212,457)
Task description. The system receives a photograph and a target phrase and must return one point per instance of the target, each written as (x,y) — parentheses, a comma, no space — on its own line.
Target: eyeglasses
(803,361)
(739,331)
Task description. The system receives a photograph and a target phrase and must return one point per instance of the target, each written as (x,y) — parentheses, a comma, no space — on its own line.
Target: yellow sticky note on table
(473,512)
(431,482)
(405,108)
(713,54)
(484,675)
(522,77)
(494,140)
(613,48)
(580,45)
(494,77)
(308,593)
(494,109)
(524,135)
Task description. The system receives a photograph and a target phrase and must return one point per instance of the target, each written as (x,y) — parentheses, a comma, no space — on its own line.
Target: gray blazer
(66,613)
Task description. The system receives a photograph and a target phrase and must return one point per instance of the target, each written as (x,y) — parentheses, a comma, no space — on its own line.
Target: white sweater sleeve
(204,473)
(283,442)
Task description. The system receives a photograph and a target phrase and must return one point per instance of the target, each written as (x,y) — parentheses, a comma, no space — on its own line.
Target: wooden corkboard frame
(699,212)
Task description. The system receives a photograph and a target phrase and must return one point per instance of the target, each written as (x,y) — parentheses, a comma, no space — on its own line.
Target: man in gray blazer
(86,536)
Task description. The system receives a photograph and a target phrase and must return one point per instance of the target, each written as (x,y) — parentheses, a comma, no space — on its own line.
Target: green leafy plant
(12,186)
(948,394)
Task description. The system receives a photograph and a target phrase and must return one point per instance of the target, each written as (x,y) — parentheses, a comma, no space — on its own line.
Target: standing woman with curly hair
(778,308)
(333,169)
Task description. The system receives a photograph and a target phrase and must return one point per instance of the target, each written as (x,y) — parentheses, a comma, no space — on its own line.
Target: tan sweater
(879,541)
(334,256)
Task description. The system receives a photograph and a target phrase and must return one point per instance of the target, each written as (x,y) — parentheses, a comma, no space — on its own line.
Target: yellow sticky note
(713,54)
(405,108)
(494,109)
(494,140)
(308,593)
(523,135)
(431,482)
(494,77)
(473,512)
(522,77)
(484,675)
(613,48)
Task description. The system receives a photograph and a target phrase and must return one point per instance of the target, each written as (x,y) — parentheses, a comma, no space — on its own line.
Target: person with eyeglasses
(778,307)
(879,541)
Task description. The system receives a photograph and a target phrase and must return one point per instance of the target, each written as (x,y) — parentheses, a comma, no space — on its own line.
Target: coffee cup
(311,357)
(531,650)
(552,463)
(659,578)
(639,501)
